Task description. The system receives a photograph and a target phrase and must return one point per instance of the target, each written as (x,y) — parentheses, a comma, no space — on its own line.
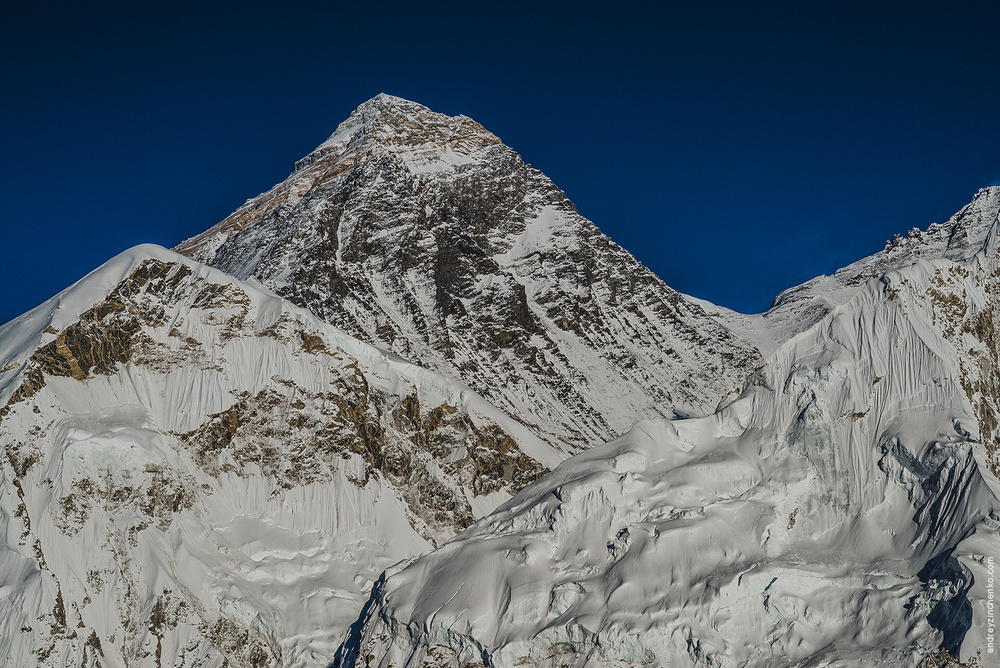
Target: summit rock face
(425,235)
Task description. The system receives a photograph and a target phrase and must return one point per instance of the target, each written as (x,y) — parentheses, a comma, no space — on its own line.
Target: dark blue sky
(736,148)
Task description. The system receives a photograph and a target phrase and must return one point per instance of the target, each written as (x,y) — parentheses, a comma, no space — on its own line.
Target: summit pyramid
(425,235)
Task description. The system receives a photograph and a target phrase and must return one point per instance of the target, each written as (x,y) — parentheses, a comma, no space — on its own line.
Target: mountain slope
(426,235)
(840,511)
(197,473)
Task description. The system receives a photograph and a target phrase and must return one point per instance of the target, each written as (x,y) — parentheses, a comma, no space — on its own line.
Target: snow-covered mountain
(205,468)
(425,235)
(842,510)
(198,473)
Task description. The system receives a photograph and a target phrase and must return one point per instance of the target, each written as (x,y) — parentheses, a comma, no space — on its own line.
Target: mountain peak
(423,234)
(425,139)
(384,101)
(385,108)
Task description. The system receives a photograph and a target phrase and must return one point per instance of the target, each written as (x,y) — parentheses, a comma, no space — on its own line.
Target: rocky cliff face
(197,473)
(424,234)
(842,510)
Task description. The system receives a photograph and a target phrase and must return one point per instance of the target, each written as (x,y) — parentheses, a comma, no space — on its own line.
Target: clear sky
(736,148)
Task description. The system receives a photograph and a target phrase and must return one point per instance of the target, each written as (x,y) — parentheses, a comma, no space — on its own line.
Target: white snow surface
(840,511)
(133,535)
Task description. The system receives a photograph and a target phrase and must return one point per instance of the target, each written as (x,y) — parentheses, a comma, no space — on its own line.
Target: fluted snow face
(425,235)
(197,472)
(839,511)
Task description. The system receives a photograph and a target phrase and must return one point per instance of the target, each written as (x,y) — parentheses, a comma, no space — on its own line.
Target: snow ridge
(970,231)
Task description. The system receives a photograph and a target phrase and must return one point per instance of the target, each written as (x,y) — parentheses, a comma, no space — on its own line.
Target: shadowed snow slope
(839,511)
(425,235)
(197,473)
